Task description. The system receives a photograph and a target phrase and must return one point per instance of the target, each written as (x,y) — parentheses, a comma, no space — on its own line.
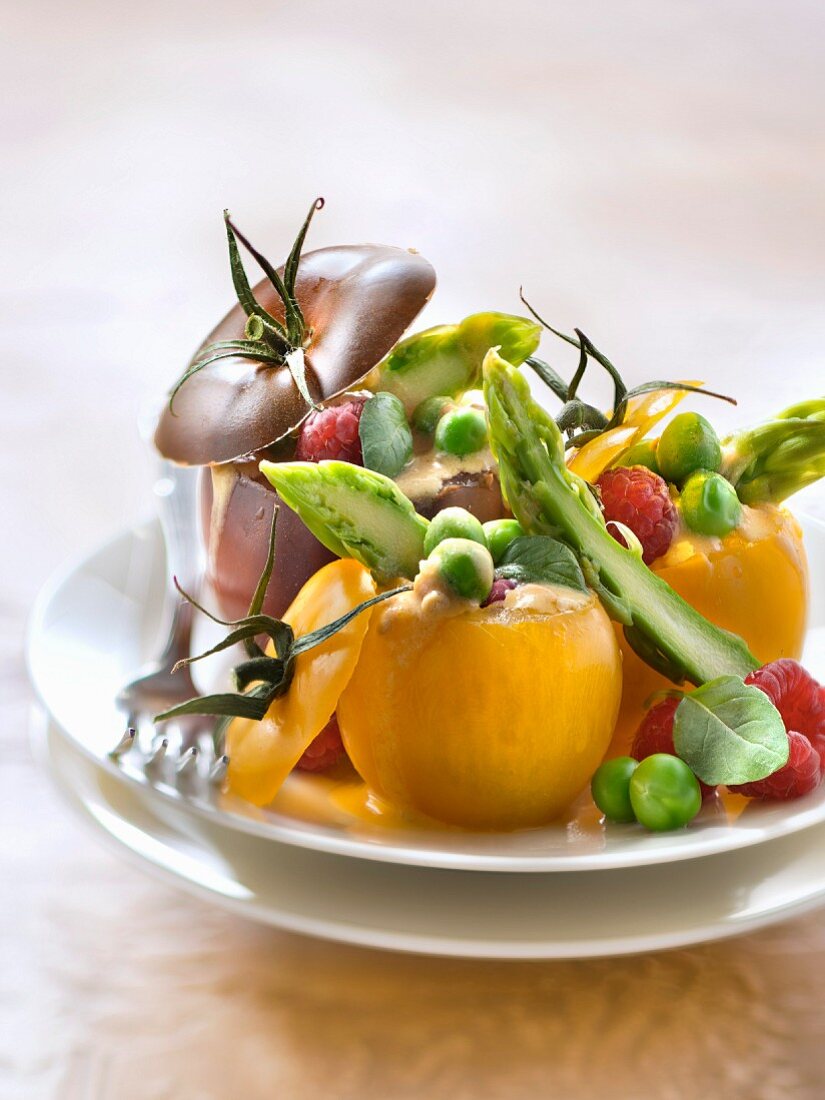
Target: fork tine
(217,773)
(158,755)
(188,763)
(124,744)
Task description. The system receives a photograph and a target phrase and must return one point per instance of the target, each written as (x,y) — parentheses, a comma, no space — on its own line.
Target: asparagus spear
(447,359)
(773,460)
(355,513)
(548,499)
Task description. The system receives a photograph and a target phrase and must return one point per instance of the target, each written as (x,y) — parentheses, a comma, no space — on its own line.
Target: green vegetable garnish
(610,788)
(461,431)
(386,439)
(778,458)
(447,359)
(499,533)
(453,523)
(641,454)
(688,443)
(355,513)
(426,415)
(664,793)
(466,567)
(730,732)
(536,559)
(709,504)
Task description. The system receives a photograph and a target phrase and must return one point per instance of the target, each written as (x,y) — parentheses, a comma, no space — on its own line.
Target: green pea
(461,431)
(664,793)
(466,566)
(453,523)
(429,412)
(499,534)
(709,504)
(642,454)
(688,443)
(610,787)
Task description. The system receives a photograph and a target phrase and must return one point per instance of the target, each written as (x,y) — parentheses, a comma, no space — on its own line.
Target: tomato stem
(268,340)
(576,414)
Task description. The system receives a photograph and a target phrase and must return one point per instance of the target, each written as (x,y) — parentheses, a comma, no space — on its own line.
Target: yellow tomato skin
(262,754)
(753,582)
(485,719)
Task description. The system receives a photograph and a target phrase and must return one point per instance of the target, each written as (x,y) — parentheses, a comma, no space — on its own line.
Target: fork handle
(176,492)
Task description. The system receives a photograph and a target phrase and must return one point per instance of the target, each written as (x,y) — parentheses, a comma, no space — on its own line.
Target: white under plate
(99,619)
(446,912)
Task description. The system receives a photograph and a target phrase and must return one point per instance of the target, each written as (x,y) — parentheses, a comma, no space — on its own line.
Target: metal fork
(156,688)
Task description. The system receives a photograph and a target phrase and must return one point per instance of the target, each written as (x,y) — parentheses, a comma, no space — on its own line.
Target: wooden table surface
(651,172)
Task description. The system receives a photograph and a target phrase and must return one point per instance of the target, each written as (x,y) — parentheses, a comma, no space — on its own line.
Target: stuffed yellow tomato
(753,582)
(445,713)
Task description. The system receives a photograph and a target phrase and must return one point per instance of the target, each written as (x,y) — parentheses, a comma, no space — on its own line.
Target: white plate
(99,620)
(441,912)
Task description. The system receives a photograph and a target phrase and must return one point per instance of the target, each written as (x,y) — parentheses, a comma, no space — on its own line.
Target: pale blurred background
(652,173)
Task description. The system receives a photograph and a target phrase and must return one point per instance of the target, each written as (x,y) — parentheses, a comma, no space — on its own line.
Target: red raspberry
(332,433)
(501,586)
(326,750)
(798,697)
(638,498)
(655,734)
(799,776)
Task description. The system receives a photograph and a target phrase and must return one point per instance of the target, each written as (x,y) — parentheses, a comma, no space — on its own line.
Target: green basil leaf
(730,732)
(386,439)
(538,559)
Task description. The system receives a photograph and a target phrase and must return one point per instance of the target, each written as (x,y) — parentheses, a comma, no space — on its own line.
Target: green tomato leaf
(538,559)
(386,439)
(730,732)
